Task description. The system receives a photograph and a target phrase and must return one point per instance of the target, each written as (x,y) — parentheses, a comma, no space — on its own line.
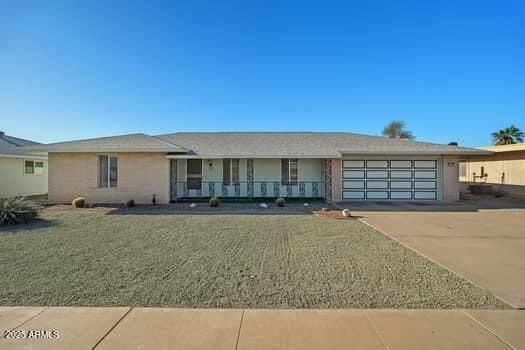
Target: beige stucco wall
(510,163)
(450,168)
(140,175)
(13,181)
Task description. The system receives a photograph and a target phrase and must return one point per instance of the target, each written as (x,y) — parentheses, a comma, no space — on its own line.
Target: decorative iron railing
(196,188)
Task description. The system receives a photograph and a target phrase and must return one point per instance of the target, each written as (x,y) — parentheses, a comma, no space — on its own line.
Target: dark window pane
(285,171)
(194,166)
(103,171)
(226,171)
(235,171)
(113,171)
(294,173)
(29,167)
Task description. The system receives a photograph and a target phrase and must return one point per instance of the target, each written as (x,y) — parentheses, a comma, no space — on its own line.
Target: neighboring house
(22,173)
(331,166)
(504,169)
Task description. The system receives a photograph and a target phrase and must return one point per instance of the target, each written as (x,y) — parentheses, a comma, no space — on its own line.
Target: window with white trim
(33,167)
(289,171)
(230,171)
(108,171)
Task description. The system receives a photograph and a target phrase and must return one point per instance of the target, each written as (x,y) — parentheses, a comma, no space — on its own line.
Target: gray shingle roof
(259,144)
(320,144)
(121,143)
(10,145)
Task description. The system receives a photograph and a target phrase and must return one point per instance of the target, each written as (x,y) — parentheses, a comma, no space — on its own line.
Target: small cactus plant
(280,202)
(214,202)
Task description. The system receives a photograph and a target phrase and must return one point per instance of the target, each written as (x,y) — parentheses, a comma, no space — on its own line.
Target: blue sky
(453,70)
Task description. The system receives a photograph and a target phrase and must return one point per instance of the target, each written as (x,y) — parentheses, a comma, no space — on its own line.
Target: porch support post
(173,179)
(328,180)
(250,176)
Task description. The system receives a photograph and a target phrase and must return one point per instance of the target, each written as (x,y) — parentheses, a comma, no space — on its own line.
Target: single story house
(22,172)
(504,170)
(334,166)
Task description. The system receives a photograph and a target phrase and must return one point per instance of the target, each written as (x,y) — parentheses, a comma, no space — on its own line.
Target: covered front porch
(247,178)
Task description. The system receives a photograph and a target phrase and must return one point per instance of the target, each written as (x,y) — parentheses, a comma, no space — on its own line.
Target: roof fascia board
(23,156)
(201,156)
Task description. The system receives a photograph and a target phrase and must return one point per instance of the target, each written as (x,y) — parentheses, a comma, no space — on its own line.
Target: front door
(194,176)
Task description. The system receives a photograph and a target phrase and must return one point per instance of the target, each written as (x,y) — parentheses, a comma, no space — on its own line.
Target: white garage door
(372,179)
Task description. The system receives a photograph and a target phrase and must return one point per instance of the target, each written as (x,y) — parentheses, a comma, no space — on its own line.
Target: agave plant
(17,210)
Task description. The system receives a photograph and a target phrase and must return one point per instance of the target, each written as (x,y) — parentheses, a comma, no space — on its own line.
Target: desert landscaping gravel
(155,258)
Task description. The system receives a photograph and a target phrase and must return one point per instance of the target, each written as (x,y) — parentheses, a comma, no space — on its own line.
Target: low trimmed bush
(214,202)
(130,203)
(78,202)
(17,210)
(280,202)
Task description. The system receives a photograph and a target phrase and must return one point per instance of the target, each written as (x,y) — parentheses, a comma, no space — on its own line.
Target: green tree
(396,130)
(507,136)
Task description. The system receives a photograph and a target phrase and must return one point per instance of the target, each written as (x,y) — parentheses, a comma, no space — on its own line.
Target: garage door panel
(401,164)
(425,164)
(377,195)
(353,195)
(400,174)
(431,185)
(377,184)
(353,174)
(353,163)
(377,163)
(425,195)
(400,195)
(377,174)
(353,184)
(401,184)
(425,174)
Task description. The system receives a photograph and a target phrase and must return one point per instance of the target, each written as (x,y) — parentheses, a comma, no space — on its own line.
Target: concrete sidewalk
(162,328)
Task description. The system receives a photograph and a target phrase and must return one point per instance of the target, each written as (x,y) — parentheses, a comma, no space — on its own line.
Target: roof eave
(24,156)
(422,153)
(110,150)
(246,156)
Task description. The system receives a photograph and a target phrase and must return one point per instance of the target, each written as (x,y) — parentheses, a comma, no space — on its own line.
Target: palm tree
(507,136)
(396,130)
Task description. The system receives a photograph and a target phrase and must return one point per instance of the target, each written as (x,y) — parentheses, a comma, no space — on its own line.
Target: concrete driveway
(486,246)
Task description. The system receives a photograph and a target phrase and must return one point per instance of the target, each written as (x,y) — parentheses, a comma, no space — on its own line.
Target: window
(289,171)
(33,167)
(230,171)
(194,174)
(108,171)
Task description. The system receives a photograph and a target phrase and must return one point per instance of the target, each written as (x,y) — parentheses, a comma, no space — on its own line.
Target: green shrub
(78,202)
(280,202)
(130,203)
(17,210)
(214,202)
